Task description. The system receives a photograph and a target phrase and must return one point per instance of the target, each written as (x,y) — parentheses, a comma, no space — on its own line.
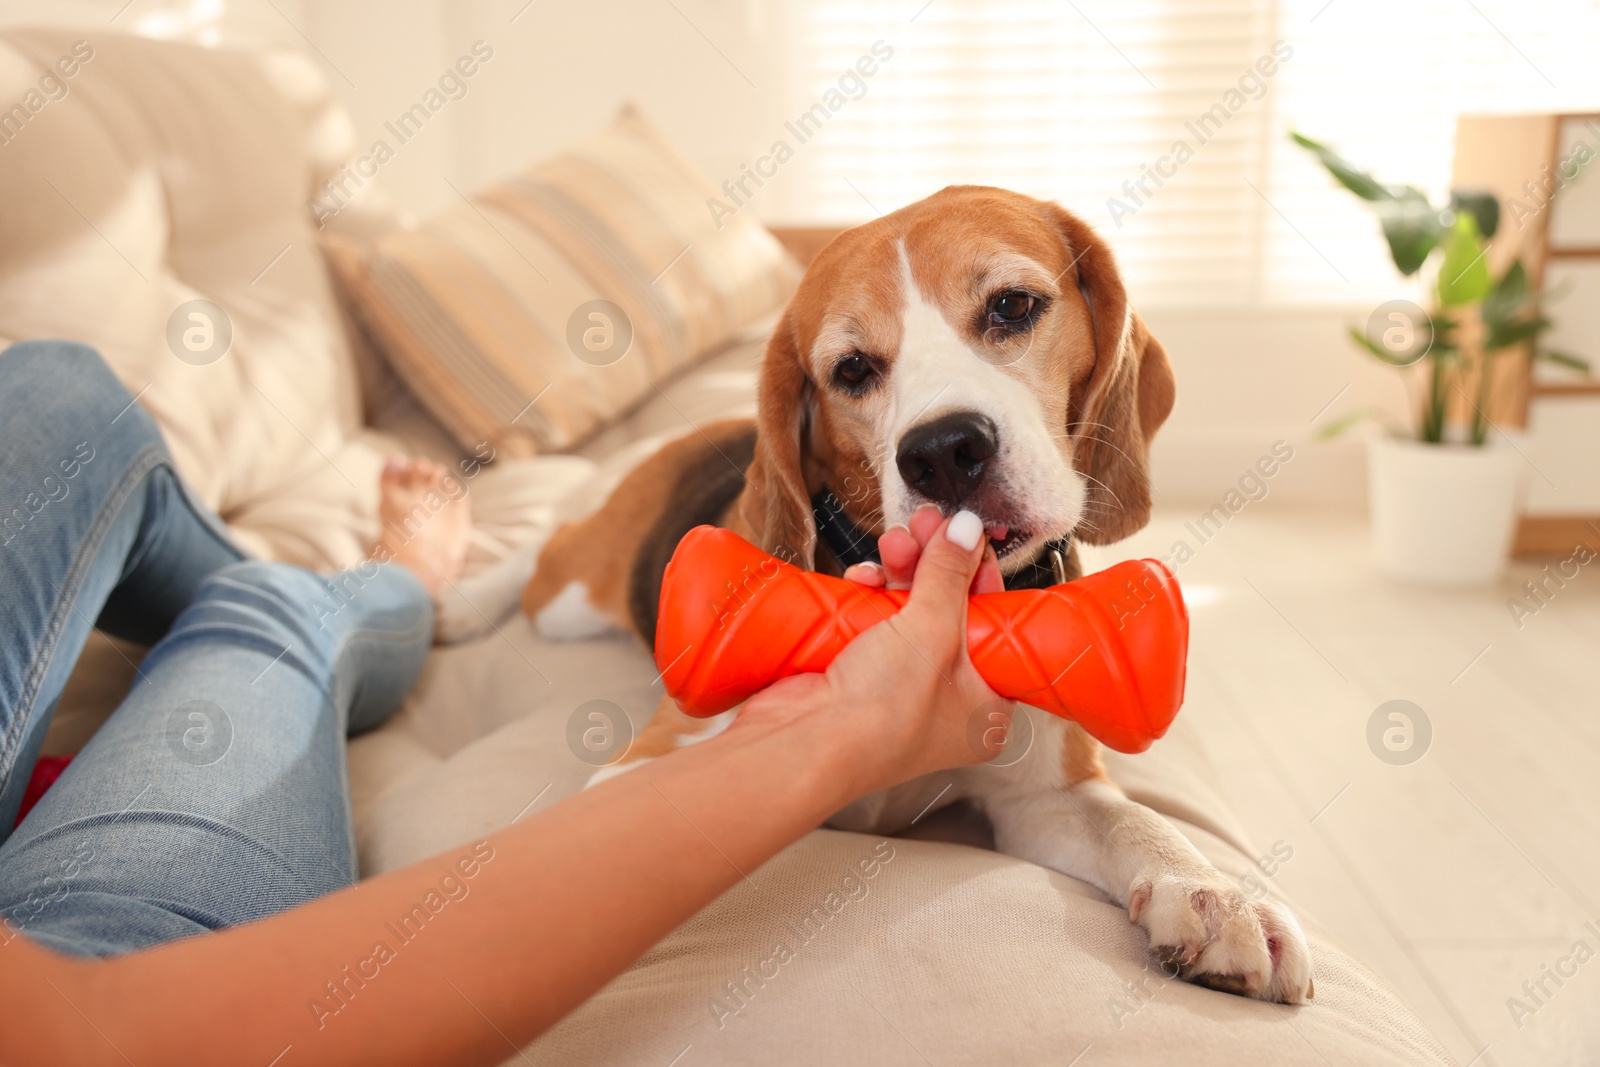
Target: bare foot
(427,522)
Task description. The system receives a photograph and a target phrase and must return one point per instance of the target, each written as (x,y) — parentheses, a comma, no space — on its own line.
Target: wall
(1249,379)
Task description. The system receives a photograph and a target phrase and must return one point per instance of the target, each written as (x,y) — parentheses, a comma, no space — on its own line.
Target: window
(1164,122)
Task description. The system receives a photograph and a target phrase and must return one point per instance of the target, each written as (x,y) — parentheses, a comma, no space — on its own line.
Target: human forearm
(540,915)
(565,900)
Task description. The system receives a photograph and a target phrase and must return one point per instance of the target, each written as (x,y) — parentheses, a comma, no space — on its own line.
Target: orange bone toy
(1107,651)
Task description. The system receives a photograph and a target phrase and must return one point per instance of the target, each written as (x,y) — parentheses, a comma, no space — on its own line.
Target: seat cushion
(952,951)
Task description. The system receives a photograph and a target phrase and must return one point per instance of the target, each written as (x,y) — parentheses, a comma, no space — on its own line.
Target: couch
(177,174)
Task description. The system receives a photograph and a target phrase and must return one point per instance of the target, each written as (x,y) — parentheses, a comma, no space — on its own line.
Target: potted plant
(1444,496)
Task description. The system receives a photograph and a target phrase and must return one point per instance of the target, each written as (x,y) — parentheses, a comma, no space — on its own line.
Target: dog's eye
(1011,308)
(854,372)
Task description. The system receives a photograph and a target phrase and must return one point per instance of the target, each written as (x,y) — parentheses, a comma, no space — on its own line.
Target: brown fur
(1080,757)
(598,551)
(667,731)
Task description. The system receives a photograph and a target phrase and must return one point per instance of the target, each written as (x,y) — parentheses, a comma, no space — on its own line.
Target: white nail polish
(965,529)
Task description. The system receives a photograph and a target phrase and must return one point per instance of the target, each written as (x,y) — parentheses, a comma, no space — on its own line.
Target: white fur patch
(611,770)
(713,726)
(937,373)
(472,606)
(570,616)
(1094,832)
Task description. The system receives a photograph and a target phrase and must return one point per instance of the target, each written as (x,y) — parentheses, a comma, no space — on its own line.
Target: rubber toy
(1107,651)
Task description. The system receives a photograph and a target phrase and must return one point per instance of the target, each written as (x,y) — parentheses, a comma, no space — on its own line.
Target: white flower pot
(1443,514)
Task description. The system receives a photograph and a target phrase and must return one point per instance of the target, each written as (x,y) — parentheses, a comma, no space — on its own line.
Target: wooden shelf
(1556,535)
(1502,154)
(1566,388)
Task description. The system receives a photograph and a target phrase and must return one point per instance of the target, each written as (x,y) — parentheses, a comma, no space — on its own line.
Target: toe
(1138,899)
(1172,914)
(1290,955)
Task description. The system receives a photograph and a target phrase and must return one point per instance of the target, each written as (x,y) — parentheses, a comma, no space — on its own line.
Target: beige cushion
(489,311)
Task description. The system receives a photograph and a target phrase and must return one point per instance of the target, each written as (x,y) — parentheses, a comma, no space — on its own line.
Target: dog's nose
(944,460)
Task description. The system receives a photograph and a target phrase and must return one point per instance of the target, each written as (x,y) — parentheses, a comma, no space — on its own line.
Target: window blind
(1165,122)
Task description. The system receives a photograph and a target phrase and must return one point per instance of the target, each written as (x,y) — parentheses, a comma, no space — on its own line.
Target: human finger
(868,574)
(948,564)
(899,552)
(988,579)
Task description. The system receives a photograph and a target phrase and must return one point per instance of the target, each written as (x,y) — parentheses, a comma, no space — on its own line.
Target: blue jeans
(217,793)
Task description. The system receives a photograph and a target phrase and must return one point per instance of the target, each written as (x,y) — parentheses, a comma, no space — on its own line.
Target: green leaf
(1464,274)
(1511,313)
(1357,181)
(1565,359)
(1483,206)
(1446,356)
(1382,354)
(1411,226)
(1506,300)
(1506,334)
(1344,422)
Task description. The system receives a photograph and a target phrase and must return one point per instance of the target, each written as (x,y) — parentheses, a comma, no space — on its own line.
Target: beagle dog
(973,350)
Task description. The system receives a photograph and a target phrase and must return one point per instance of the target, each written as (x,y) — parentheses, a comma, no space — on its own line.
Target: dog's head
(973,350)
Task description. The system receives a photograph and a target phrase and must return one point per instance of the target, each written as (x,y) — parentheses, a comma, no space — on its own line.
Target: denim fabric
(217,791)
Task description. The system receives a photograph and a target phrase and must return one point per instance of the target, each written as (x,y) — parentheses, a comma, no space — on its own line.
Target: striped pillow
(547,306)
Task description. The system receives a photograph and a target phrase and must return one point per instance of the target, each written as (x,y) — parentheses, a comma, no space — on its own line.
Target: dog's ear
(775,504)
(1128,394)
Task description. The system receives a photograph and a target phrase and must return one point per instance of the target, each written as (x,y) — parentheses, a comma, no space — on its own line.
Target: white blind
(1070,100)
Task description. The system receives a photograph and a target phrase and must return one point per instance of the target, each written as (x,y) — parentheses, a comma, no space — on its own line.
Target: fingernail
(928,507)
(965,529)
(898,526)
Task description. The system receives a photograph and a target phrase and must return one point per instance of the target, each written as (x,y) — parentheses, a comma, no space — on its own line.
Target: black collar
(850,544)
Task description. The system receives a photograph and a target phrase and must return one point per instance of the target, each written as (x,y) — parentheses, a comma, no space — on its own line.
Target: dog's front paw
(1206,931)
(475,605)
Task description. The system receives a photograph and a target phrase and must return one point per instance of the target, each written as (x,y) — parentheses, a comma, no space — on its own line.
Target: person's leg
(217,793)
(95,525)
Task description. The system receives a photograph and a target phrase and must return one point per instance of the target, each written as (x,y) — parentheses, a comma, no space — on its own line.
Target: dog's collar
(850,544)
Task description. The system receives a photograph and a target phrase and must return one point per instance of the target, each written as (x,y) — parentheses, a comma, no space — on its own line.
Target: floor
(1458,865)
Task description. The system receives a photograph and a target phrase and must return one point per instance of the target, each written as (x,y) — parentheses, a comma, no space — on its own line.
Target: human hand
(899,701)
